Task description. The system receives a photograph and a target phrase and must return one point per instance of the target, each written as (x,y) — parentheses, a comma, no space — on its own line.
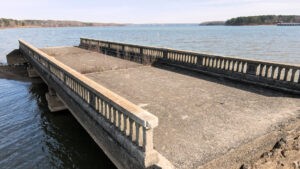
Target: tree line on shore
(12,23)
(257,20)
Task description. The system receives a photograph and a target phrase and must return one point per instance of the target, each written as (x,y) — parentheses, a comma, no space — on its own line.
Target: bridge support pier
(15,57)
(54,102)
(31,72)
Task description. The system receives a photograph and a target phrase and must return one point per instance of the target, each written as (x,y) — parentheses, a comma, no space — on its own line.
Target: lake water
(32,137)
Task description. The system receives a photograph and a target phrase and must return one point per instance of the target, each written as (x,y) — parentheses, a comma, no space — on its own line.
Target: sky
(144,11)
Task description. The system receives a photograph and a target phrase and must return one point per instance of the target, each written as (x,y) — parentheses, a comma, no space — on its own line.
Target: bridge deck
(200,117)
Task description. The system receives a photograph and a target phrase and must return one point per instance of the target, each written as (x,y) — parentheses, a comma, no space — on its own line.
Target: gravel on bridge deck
(201,118)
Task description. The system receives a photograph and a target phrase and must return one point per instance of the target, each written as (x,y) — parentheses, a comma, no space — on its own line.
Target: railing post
(147,140)
(92,100)
(165,54)
(251,68)
(199,60)
(150,155)
(81,42)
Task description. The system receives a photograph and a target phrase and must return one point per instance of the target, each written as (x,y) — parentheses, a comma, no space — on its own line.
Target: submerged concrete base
(54,103)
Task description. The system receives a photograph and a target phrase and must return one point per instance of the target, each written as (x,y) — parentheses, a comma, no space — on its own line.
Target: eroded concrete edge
(253,150)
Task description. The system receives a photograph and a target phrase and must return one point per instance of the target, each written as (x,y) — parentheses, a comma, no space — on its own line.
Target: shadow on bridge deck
(201,118)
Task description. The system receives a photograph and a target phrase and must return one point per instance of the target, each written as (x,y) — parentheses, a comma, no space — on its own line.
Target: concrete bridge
(149,107)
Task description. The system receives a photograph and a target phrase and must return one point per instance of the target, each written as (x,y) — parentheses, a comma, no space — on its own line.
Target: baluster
(77,89)
(231,65)
(286,71)
(227,64)
(207,61)
(115,116)
(119,120)
(83,94)
(102,107)
(279,73)
(293,75)
(125,123)
(273,72)
(242,67)
(246,67)
(261,70)
(137,134)
(234,66)
(299,76)
(197,60)
(87,95)
(96,103)
(110,113)
(237,67)
(131,134)
(189,58)
(214,63)
(221,63)
(267,71)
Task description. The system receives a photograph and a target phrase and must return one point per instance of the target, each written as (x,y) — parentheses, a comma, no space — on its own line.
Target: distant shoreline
(20,27)
(12,23)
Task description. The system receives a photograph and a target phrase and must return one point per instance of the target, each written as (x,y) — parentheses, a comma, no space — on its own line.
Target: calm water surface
(32,137)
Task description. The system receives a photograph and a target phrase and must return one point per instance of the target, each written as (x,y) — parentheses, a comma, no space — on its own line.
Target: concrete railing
(275,75)
(133,125)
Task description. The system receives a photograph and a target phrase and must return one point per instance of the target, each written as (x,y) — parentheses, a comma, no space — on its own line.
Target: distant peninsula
(257,20)
(212,23)
(12,23)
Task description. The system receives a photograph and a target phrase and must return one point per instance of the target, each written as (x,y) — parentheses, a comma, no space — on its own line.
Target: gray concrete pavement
(85,61)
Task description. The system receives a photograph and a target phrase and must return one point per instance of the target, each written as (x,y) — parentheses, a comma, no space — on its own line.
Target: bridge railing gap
(134,124)
(279,76)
